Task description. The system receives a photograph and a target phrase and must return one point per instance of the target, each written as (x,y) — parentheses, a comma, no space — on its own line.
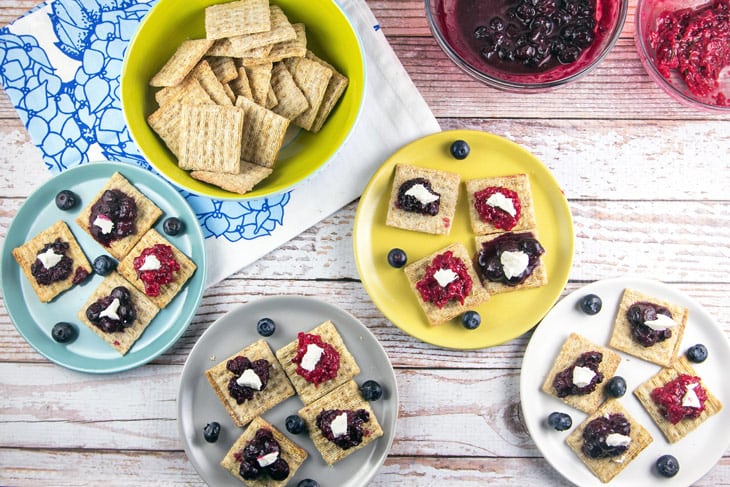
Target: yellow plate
(505,316)
(329,35)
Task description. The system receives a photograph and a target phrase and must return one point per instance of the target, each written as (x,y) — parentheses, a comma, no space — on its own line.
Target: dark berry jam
(458,289)
(669,398)
(327,366)
(489,257)
(410,203)
(355,430)
(125,311)
(563,381)
(596,432)
(695,43)
(117,207)
(80,275)
(642,311)
(498,217)
(58,272)
(237,366)
(258,452)
(153,279)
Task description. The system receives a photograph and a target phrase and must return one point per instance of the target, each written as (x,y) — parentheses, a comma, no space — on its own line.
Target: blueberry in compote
(559,421)
(459,149)
(63,332)
(66,199)
(471,320)
(104,265)
(667,466)
(294,424)
(397,258)
(211,431)
(371,390)
(697,353)
(308,483)
(616,387)
(266,327)
(591,304)
(172,226)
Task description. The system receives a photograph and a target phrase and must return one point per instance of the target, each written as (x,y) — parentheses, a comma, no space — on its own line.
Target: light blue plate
(34,320)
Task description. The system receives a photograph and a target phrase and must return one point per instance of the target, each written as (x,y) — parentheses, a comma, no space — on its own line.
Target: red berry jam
(237,366)
(458,289)
(695,43)
(153,279)
(596,432)
(58,272)
(328,364)
(117,207)
(257,452)
(563,381)
(498,217)
(489,257)
(80,275)
(355,426)
(123,316)
(410,203)
(669,398)
(643,311)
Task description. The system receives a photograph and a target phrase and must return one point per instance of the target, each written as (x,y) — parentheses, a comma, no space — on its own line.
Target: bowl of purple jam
(526,45)
(684,46)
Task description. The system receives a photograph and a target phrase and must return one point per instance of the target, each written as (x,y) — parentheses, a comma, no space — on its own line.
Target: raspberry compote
(118,208)
(489,257)
(237,366)
(596,432)
(433,292)
(642,311)
(355,429)
(670,398)
(258,452)
(326,367)
(58,272)
(495,215)
(154,278)
(563,381)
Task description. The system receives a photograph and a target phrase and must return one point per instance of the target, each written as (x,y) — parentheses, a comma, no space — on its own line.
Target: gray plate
(198,404)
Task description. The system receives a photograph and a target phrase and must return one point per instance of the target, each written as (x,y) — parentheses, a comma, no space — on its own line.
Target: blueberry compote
(409,202)
(355,430)
(673,402)
(489,257)
(563,381)
(164,274)
(114,312)
(326,367)
(118,208)
(642,311)
(596,432)
(257,454)
(493,214)
(458,289)
(237,366)
(47,276)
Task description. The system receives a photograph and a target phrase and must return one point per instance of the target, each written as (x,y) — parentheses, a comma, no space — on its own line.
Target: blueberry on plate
(616,387)
(471,320)
(66,199)
(397,258)
(697,353)
(294,424)
(460,149)
(266,327)
(104,265)
(308,483)
(591,304)
(559,421)
(371,390)
(172,226)
(667,466)
(211,431)
(63,332)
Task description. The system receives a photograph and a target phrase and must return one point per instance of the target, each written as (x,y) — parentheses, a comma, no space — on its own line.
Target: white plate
(198,404)
(697,453)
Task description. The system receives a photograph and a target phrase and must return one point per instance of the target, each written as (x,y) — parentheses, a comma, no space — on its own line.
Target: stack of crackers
(226,101)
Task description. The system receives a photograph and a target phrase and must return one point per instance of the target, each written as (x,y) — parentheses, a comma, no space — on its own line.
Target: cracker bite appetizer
(52,261)
(500,204)
(510,261)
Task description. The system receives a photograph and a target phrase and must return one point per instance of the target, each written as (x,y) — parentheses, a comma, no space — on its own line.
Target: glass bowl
(650,15)
(455,23)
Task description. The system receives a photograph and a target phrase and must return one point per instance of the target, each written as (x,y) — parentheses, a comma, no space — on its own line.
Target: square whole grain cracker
(312,79)
(290,452)
(145,310)
(165,121)
(662,353)
(282,50)
(271,99)
(250,175)
(210,83)
(345,398)
(167,291)
(444,183)
(259,79)
(239,46)
(147,215)
(675,432)
(416,271)
(263,133)
(292,101)
(609,467)
(276,391)
(520,184)
(307,391)
(240,85)
(26,254)
(189,91)
(572,348)
(224,68)
(335,89)
(237,18)
(187,55)
(211,138)
(538,278)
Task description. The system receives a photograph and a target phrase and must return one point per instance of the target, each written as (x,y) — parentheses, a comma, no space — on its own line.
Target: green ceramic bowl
(329,35)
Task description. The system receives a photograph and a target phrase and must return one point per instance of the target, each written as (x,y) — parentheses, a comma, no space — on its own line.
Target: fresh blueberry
(172,226)
(65,200)
(63,332)
(667,466)
(397,258)
(104,265)
(308,483)
(211,432)
(697,353)
(616,386)
(371,390)
(266,327)
(460,149)
(294,424)
(559,421)
(591,304)
(471,320)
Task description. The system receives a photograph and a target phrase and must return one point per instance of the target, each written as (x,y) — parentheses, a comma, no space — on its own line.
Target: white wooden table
(647,182)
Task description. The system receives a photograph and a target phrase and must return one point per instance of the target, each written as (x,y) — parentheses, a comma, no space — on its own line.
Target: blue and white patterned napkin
(60,65)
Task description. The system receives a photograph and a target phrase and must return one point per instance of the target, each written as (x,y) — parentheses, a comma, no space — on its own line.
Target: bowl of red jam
(684,46)
(526,46)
